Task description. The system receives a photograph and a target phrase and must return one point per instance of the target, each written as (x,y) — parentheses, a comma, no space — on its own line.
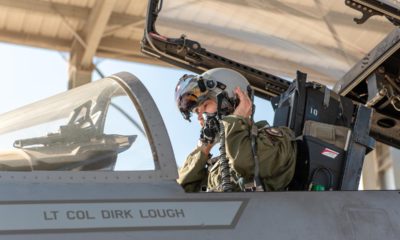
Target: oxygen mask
(209,133)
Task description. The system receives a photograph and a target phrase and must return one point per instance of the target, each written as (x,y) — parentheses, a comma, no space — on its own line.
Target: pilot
(253,156)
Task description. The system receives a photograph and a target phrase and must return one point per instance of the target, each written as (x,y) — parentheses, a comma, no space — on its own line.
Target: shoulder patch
(274,132)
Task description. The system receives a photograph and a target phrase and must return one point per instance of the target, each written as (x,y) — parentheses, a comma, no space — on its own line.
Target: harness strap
(257,180)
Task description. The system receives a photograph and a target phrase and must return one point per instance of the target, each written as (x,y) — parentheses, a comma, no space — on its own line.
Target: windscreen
(90,128)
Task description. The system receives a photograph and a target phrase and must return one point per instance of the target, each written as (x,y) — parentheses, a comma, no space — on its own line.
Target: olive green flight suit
(276,149)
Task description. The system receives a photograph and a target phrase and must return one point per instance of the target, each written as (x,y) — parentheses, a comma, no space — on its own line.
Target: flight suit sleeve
(276,152)
(238,145)
(193,173)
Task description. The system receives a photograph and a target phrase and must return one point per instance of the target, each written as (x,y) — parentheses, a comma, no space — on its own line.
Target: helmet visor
(188,95)
(186,104)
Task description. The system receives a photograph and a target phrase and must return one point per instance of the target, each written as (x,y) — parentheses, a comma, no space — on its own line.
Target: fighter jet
(77,132)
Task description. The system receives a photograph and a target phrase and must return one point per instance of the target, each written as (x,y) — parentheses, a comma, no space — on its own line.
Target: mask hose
(226,183)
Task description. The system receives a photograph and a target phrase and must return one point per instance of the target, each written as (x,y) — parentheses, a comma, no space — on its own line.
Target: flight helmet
(193,90)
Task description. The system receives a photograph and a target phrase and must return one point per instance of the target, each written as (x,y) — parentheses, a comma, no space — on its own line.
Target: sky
(30,74)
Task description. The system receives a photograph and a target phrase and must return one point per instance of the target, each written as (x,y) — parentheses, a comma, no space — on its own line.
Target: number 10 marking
(314,111)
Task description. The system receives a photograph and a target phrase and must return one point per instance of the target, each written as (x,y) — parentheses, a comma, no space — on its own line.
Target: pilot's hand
(244,109)
(205,147)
